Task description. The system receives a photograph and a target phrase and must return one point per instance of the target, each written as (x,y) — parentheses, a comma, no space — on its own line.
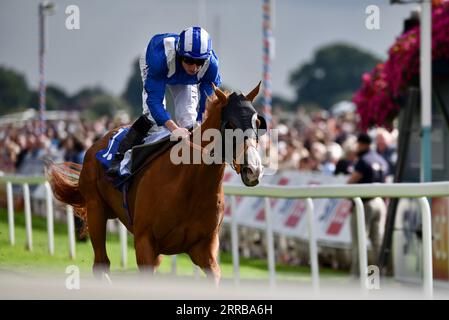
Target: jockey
(187,66)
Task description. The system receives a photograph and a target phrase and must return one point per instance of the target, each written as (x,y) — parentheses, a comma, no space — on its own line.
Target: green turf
(18,258)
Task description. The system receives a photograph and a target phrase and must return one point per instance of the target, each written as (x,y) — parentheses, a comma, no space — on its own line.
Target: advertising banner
(332,216)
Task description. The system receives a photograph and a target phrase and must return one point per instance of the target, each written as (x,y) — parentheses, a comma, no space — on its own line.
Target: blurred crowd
(316,141)
(25,146)
(322,142)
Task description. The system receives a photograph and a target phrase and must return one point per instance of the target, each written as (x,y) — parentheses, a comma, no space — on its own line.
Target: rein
(203,150)
(197,147)
(235,162)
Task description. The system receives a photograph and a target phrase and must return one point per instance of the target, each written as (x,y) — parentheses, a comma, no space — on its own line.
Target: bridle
(236,164)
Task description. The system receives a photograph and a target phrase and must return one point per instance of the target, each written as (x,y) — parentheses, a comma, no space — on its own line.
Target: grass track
(19,259)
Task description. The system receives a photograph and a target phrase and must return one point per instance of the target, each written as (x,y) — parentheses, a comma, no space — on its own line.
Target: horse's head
(241,127)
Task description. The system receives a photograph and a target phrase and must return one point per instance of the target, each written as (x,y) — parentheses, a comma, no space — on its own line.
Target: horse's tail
(63,179)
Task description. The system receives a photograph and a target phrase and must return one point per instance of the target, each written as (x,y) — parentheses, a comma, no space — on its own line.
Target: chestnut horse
(176,208)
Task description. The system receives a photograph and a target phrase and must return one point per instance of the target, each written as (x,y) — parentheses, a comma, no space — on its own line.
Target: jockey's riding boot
(135,135)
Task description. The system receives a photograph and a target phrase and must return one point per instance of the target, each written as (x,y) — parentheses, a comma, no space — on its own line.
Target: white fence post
(235,241)
(123,234)
(50,225)
(29,232)
(361,235)
(427,247)
(313,250)
(10,201)
(270,243)
(71,231)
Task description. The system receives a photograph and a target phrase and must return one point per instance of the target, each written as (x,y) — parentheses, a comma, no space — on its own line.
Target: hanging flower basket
(378,99)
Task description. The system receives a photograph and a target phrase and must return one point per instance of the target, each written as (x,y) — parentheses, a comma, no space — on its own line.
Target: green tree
(281,103)
(105,105)
(56,99)
(14,92)
(96,102)
(333,75)
(83,99)
(59,96)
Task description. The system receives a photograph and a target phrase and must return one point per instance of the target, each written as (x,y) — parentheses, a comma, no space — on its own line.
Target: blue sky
(113,33)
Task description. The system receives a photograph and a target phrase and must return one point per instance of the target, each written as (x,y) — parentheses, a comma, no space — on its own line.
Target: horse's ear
(220,94)
(250,96)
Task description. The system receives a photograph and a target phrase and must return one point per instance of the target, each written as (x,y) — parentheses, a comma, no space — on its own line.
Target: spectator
(291,156)
(346,164)
(369,168)
(74,149)
(385,147)
(333,155)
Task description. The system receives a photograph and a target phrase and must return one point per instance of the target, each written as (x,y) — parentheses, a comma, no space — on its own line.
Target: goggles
(191,61)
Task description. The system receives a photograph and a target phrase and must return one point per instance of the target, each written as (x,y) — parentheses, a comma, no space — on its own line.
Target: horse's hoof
(103,277)
(106,279)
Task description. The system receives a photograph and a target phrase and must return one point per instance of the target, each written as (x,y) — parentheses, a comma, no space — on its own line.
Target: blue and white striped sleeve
(155,89)
(154,86)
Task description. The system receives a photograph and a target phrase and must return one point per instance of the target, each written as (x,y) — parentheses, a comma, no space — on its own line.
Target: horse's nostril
(248,171)
(250,176)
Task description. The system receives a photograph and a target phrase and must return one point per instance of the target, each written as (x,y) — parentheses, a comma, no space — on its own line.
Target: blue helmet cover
(194,42)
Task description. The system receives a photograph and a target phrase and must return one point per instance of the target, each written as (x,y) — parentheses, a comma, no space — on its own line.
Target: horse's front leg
(204,254)
(147,258)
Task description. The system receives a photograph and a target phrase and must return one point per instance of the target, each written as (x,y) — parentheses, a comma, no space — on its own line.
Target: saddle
(143,155)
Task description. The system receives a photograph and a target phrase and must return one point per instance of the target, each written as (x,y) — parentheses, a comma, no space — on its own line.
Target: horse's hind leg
(97,219)
(204,255)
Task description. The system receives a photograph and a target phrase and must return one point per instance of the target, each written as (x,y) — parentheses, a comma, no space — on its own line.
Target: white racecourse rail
(355,192)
